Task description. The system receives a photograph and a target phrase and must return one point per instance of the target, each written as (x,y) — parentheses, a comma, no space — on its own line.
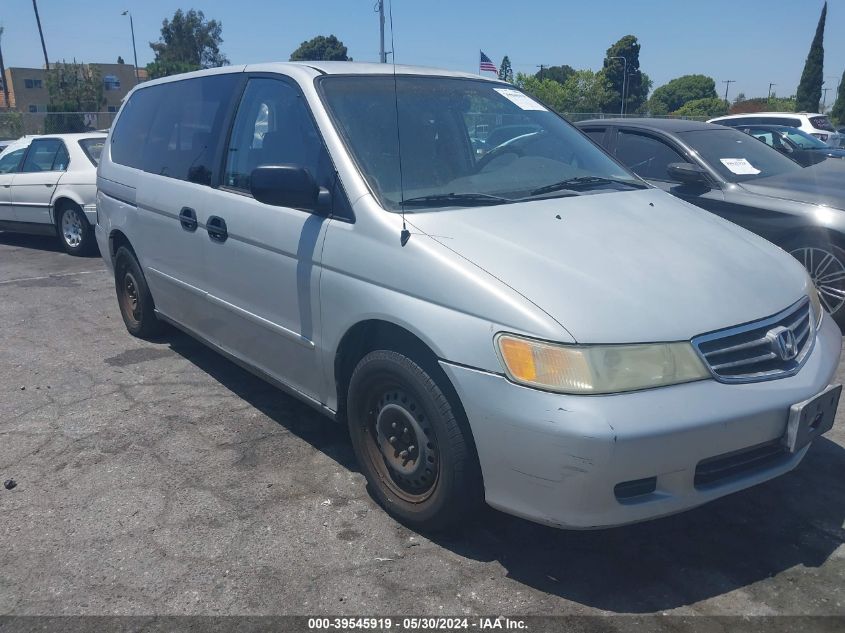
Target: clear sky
(751,41)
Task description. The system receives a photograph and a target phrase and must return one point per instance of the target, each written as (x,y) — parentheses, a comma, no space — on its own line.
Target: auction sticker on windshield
(522,100)
(740,166)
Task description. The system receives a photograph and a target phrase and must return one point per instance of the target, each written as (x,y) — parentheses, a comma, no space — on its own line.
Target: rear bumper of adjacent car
(599,461)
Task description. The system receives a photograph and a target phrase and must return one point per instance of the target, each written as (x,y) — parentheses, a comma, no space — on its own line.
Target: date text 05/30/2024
(415,624)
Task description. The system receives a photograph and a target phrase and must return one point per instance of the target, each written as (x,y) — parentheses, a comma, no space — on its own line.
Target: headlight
(815,302)
(595,369)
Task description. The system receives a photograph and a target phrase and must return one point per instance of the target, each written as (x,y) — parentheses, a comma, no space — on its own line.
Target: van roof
(316,68)
(370,68)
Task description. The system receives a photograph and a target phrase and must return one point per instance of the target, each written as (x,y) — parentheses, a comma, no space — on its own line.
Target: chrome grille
(761,350)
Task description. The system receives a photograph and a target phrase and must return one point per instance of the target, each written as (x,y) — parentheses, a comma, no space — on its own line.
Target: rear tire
(825,263)
(413,447)
(75,232)
(133,296)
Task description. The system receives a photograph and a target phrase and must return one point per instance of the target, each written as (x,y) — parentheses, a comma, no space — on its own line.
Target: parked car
(48,186)
(742,180)
(801,147)
(536,326)
(818,125)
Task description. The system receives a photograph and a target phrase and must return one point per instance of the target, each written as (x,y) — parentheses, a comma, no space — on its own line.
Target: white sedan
(48,186)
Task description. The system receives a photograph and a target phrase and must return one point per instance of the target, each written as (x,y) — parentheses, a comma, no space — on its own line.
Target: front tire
(413,447)
(133,296)
(75,232)
(825,263)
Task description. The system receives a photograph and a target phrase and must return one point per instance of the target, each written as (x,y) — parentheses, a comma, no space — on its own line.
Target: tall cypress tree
(810,89)
(838,111)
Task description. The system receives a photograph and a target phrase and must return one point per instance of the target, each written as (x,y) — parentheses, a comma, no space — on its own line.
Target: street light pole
(134,52)
(624,80)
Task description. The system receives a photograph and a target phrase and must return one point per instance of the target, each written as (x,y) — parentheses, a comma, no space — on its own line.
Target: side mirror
(288,186)
(687,173)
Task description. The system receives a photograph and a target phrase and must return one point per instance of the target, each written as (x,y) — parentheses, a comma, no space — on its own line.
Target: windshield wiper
(583,182)
(456,199)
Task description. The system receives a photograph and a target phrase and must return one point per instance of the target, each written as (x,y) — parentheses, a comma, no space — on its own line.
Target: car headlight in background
(598,369)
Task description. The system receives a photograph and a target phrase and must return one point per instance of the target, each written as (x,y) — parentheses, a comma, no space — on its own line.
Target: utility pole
(134,52)
(379,8)
(824,98)
(3,73)
(542,67)
(728,83)
(769,98)
(41,33)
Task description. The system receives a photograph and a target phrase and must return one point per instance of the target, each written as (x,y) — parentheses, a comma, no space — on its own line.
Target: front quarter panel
(453,306)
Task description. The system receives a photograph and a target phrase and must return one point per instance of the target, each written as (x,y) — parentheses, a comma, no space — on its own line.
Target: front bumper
(557,459)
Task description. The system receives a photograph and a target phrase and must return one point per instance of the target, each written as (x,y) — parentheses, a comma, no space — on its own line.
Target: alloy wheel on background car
(828,274)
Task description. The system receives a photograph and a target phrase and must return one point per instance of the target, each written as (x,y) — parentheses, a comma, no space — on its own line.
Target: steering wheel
(515,146)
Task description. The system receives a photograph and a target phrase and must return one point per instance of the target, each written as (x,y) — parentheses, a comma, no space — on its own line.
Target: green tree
(810,89)
(584,91)
(548,91)
(321,48)
(120,60)
(636,90)
(505,70)
(838,110)
(188,42)
(558,73)
(674,94)
(707,108)
(73,88)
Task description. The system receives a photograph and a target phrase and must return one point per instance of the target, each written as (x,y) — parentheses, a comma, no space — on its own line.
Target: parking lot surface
(159,478)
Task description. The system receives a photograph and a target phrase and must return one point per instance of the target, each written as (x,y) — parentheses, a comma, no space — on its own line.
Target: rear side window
(821,123)
(93,147)
(787,121)
(47,154)
(176,130)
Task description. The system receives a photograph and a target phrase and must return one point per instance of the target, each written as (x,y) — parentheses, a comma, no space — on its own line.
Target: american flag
(486,64)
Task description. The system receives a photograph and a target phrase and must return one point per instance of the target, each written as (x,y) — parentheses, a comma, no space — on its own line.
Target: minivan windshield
(464,142)
(738,157)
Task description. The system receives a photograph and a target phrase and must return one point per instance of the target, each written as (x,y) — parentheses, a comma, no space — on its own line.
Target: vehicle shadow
(730,544)
(36,242)
(49,243)
(298,418)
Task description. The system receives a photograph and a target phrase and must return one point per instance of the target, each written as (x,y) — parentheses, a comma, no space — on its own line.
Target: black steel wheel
(414,450)
(133,296)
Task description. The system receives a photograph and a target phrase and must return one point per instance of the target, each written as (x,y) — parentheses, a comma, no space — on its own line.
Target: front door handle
(216,227)
(188,219)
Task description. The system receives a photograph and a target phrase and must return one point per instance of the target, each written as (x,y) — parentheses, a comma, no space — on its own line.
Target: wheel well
(58,205)
(116,240)
(368,336)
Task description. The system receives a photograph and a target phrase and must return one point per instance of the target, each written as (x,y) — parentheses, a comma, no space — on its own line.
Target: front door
(33,186)
(263,261)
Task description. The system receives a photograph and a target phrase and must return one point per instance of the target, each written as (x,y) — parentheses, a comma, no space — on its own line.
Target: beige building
(28,92)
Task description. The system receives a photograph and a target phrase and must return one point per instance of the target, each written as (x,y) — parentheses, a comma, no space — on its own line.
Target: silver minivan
(498,310)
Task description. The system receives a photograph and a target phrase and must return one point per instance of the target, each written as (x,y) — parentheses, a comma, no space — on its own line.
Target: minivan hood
(817,184)
(626,267)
